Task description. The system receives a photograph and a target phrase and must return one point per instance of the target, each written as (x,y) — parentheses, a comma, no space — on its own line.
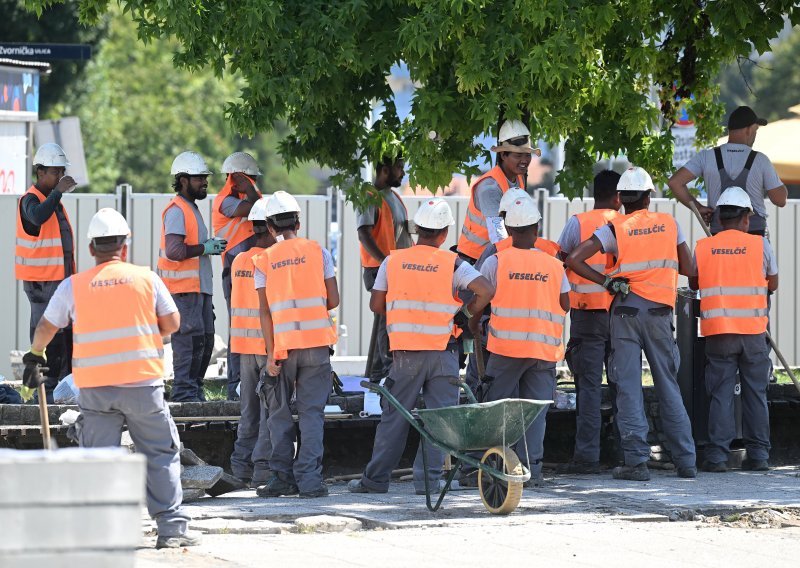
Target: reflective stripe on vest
(180,276)
(647,244)
(116,338)
(40,258)
(527,320)
(297,295)
(383,232)
(235,230)
(474,233)
(419,303)
(585,294)
(733,287)
(246,335)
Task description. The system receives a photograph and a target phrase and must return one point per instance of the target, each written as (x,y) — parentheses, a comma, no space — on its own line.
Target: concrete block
(12,414)
(237,526)
(327,524)
(200,476)
(70,476)
(226,484)
(193,494)
(188,457)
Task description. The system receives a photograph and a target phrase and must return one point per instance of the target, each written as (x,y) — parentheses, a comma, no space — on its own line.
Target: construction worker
(526,325)
(382,229)
(229,219)
(650,251)
(184,265)
(418,289)
(296,284)
(252,449)
(45,250)
(716,166)
(119,313)
(483,224)
(589,342)
(735,272)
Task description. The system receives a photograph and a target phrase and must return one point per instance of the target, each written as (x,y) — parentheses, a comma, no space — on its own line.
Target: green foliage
(57,24)
(604,74)
(138,112)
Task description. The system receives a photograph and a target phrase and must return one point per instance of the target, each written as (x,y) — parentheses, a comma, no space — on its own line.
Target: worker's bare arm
(685,264)
(778,196)
(169,323)
(332,289)
(44,334)
(484,292)
(576,261)
(678,184)
(377,302)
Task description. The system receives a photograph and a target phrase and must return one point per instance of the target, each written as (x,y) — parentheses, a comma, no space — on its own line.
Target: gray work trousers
(382,357)
(104,412)
(59,350)
(524,378)
(412,371)
(640,325)
(749,355)
(252,449)
(192,346)
(587,351)
(307,373)
(234,359)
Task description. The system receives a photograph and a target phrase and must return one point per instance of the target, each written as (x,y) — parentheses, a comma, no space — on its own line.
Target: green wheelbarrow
(458,430)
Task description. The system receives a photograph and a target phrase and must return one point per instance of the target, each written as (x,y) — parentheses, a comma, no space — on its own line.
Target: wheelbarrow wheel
(498,496)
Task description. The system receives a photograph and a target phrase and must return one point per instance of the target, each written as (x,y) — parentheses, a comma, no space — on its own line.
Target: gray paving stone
(327,524)
(226,484)
(200,476)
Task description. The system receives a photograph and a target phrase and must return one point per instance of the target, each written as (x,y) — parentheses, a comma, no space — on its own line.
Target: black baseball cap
(743,117)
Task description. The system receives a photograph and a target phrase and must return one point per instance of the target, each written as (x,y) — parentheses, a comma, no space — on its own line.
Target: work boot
(632,473)
(178,541)
(688,472)
(536,480)
(754,465)
(714,467)
(578,467)
(355,486)
(321,491)
(277,487)
(260,478)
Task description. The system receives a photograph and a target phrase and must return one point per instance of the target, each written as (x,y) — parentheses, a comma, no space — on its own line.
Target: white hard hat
(258,212)
(522,212)
(635,179)
(510,196)
(512,129)
(281,202)
(52,155)
(189,163)
(108,222)
(736,197)
(241,162)
(434,213)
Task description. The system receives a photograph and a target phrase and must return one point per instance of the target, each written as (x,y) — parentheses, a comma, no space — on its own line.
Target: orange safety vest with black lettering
(115,335)
(543,245)
(383,233)
(474,236)
(235,230)
(297,295)
(40,258)
(246,336)
(585,294)
(180,276)
(733,288)
(419,302)
(648,255)
(527,320)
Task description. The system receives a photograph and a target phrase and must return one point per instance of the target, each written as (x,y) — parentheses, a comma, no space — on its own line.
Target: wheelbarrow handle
(464,387)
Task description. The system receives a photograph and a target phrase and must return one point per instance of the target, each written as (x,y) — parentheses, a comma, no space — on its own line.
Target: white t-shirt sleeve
(259,279)
(681,236)
(489,270)
(565,287)
(174,223)
(164,303)
(608,241)
(367,217)
(463,275)
(61,308)
(381,282)
(328,268)
(695,164)
(769,177)
(770,262)
(571,235)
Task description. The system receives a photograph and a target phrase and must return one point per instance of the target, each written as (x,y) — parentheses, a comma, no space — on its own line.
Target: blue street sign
(45,51)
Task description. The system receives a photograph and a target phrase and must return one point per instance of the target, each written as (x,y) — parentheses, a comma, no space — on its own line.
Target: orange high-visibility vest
(115,338)
(246,336)
(235,230)
(585,294)
(180,276)
(297,295)
(40,258)
(474,234)
(543,245)
(527,320)
(383,233)
(419,302)
(648,255)
(733,288)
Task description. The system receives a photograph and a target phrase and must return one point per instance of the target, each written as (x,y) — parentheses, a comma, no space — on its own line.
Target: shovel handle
(44,417)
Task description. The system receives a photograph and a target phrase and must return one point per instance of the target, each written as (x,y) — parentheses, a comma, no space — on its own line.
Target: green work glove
(617,285)
(214,245)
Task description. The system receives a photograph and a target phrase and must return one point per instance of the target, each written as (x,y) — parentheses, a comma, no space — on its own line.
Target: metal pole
(772,343)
